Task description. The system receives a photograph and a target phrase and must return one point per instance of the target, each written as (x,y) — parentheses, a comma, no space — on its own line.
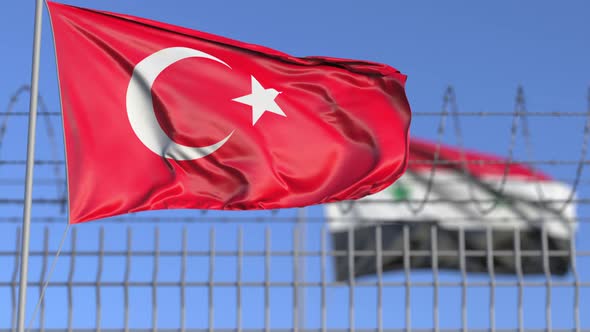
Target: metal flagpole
(24,261)
(301,222)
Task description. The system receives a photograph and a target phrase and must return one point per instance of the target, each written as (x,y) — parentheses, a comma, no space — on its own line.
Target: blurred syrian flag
(472,198)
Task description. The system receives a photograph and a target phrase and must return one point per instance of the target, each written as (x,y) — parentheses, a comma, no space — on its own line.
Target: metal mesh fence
(148,279)
(275,270)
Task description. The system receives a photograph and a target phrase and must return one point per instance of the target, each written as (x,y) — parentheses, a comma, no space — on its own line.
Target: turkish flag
(162,117)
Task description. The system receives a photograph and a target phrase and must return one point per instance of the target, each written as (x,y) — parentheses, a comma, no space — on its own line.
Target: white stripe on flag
(520,206)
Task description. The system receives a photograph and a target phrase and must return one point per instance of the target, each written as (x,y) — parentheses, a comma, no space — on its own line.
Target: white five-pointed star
(262,100)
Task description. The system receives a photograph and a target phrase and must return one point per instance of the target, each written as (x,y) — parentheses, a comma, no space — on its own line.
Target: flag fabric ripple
(158,116)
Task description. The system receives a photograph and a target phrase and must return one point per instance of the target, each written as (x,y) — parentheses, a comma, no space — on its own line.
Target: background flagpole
(24,262)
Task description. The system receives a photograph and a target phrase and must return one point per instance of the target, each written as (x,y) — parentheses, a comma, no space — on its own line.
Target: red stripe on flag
(479,164)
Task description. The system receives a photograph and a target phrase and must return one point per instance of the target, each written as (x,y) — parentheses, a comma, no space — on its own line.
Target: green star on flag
(400,192)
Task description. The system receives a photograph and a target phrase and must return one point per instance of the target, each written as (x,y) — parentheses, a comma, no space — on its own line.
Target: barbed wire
(57,169)
(520,113)
(519,124)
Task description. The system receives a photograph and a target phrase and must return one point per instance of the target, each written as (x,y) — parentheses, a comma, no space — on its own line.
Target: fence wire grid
(276,270)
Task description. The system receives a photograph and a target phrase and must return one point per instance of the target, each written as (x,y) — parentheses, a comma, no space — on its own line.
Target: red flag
(162,117)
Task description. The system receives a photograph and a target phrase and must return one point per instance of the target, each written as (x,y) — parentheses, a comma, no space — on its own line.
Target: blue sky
(485,50)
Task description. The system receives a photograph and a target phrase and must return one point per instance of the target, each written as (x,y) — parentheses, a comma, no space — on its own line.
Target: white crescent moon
(140,108)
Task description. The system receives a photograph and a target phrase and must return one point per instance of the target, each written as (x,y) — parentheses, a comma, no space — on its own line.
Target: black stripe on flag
(476,245)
